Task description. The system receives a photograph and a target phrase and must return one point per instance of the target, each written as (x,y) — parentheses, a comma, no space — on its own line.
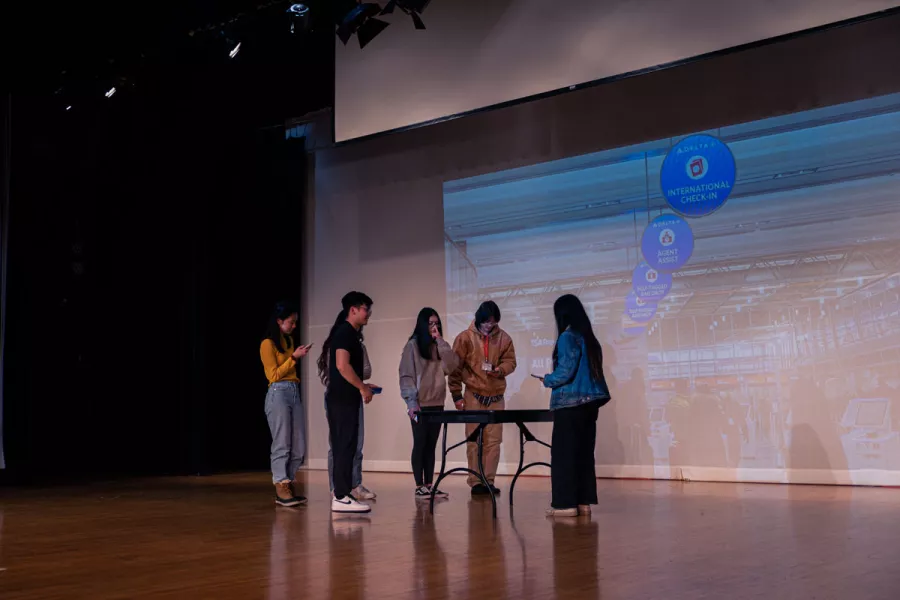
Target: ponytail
(322,363)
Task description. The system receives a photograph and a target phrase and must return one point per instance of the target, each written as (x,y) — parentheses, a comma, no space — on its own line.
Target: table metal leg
(476,437)
(525,436)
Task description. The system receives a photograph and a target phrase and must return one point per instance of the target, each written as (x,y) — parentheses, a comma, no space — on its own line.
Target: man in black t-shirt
(345,392)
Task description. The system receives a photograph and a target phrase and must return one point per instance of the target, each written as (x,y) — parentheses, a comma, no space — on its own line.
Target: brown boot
(284,495)
(297,497)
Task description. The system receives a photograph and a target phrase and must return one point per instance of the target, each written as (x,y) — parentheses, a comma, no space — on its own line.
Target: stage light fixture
(413,8)
(368,30)
(362,22)
(299,15)
(110,92)
(418,6)
(235,50)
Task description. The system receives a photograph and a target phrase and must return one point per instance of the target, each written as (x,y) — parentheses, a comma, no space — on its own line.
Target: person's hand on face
(434,330)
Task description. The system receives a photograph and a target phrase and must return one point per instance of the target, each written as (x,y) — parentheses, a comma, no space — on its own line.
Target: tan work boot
(284,495)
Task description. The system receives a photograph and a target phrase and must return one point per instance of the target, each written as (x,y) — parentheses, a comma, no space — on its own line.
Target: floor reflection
(287,564)
(575,579)
(430,564)
(346,556)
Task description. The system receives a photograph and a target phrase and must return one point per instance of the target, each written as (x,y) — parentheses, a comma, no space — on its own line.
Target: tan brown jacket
(469,346)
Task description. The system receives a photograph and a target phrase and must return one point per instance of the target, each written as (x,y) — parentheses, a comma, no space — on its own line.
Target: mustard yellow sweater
(279,366)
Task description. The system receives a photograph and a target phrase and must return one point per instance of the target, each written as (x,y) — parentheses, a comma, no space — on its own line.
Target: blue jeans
(287,423)
(357,458)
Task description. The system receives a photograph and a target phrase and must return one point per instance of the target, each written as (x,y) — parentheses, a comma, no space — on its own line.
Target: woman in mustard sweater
(287,419)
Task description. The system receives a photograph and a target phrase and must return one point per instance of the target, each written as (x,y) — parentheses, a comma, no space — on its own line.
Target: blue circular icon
(638,309)
(697,175)
(667,243)
(650,284)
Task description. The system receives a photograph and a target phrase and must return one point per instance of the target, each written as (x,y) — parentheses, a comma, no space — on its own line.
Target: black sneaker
(422,492)
(480,490)
(495,490)
(438,493)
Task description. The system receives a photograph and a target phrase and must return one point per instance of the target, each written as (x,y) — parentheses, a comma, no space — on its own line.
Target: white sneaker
(348,504)
(363,493)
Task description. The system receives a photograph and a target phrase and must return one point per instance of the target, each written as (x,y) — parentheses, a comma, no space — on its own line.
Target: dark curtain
(5,108)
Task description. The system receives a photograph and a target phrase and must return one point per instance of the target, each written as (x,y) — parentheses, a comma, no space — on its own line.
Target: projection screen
(750,318)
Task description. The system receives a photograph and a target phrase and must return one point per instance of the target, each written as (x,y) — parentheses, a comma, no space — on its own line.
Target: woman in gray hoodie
(426,362)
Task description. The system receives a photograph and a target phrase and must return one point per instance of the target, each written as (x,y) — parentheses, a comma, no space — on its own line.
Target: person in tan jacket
(487,357)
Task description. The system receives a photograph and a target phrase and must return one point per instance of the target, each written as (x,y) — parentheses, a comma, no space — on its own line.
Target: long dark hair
(322,363)
(422,332)
(570,314)
(282,311)
(350,300)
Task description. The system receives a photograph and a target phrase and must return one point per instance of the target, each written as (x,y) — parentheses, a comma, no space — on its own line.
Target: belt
(487,400)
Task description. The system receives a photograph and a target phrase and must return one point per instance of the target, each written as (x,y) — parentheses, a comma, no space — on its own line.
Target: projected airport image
(744,283)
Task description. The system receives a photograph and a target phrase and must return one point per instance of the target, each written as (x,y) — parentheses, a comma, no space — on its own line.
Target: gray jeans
(287,423)
(357,458)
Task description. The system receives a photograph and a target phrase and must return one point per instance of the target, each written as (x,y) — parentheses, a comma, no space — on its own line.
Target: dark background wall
(151,234)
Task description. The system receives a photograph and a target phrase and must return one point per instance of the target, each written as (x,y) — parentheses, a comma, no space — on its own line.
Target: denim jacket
(571,379)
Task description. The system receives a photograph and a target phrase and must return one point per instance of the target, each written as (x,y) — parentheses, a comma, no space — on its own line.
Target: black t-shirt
(345,338)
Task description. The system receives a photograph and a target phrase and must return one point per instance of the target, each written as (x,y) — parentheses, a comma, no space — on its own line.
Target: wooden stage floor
(222,537)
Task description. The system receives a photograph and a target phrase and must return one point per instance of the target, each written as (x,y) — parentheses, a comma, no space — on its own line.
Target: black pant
(343,427)
(425,439)
(572,474)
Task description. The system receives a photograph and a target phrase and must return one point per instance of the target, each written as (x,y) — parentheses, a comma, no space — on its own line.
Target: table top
(487,416)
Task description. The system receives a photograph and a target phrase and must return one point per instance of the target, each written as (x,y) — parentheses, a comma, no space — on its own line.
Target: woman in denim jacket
(579,390)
